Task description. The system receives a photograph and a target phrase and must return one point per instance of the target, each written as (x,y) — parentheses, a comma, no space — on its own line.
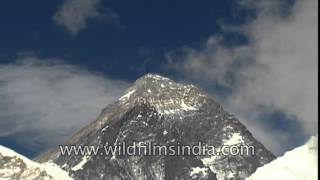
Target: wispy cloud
(74,15)
(43,101)
(275,71)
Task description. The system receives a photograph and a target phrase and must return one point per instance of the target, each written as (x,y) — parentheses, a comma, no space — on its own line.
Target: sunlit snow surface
(199,171)
(127,95)
(16,166)
(235,139)
(165,95)
(81,163)
(298,164)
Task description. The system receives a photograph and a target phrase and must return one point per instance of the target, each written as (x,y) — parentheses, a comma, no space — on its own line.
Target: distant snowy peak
(297,164)
(165,95)
(16,166)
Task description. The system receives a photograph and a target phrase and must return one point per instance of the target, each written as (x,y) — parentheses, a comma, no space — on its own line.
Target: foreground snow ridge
(16,166)
(298,164)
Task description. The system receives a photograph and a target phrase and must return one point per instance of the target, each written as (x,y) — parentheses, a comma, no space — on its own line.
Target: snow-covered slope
(298,164)
(16,166)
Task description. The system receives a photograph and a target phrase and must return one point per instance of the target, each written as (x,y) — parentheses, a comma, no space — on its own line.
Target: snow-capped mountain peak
(160,111)
(16,166)
(167,96)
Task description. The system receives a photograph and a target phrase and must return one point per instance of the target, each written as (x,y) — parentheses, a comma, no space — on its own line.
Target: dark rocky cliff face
(159,111)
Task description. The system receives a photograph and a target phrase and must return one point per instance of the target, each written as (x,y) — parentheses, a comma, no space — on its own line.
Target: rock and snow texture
(164,94)
(80,165)
(159,111)
(297,164)
(16,166)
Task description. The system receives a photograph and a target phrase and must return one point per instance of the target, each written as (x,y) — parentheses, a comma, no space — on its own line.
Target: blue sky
(237,51)
(147,28)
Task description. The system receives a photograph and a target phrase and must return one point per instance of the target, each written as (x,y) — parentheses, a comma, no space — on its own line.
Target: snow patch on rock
(127,95)
(80,164)
(199,171)
(187,107)
(235,139)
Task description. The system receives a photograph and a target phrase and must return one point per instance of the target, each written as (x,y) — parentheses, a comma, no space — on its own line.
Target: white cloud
(44,101)
(276,70)
(212,63)
(75,14)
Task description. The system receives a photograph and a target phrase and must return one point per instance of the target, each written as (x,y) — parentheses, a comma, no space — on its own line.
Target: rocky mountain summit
(159,111)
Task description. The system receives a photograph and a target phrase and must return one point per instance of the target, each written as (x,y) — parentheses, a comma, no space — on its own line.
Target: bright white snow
(230,175)
(209,160)
(157,77)
(298,164)
(55,171)
(80,164)
(127,95)
(187,107)
(235,139)
(49,167)
(105,128)
(200,171)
